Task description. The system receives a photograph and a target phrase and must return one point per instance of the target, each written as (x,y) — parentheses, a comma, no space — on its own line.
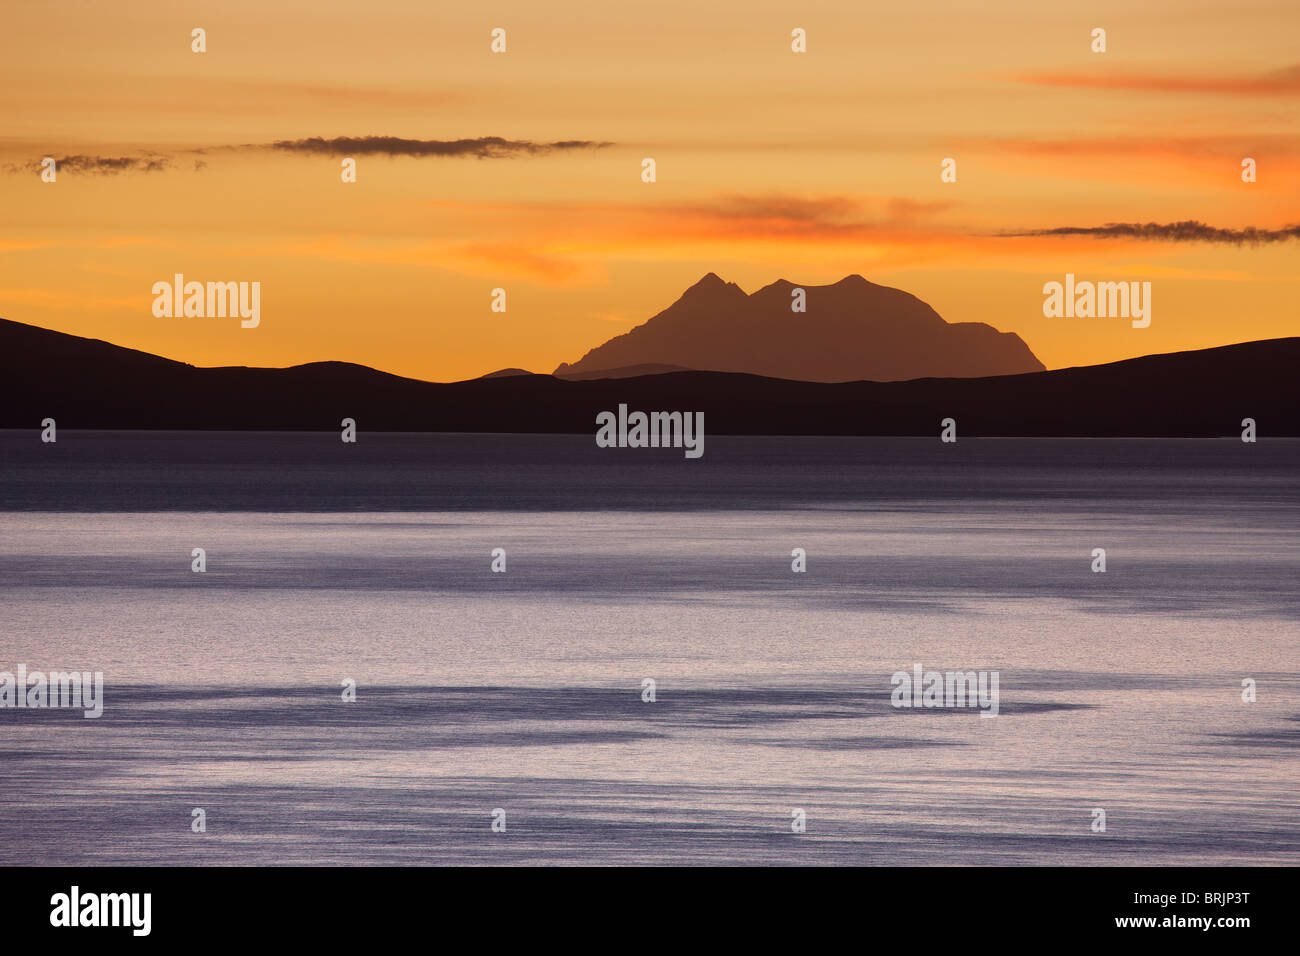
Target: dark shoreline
(85,383)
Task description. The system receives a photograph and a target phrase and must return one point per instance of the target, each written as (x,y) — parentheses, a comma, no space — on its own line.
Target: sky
(522,170)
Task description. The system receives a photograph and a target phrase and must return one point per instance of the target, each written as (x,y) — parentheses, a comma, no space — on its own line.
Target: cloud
(102,165)
(517,259)
(1272,82)
(830,217)
(851,232)
(482,147)
(791,209)
(488,257)
(728,218)
(1187,231)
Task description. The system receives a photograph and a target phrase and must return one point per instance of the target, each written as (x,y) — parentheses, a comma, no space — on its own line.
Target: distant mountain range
(851,331)
(566,372)
(86,383)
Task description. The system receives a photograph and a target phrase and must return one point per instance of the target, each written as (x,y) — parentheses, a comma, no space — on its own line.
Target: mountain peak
(852,330)
(780,286)
(712,285)
(783,286)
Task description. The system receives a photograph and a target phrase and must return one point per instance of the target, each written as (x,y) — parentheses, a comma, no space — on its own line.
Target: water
(522,691)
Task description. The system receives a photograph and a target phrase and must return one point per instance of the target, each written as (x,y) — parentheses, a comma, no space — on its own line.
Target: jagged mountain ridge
(853,330)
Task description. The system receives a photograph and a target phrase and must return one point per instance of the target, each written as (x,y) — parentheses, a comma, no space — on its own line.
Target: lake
(522,691)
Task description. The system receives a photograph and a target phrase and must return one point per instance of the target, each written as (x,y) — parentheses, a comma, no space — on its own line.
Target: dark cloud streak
(102,165)
(1186,231)
(482,147)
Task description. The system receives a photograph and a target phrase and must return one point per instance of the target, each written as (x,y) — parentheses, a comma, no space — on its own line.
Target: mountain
(86,383)
(626,371)
(629,371)
(506,373)
(852,331)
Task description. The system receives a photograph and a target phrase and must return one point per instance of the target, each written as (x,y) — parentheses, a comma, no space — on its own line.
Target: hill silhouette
(853,330)
(626,371)
(87,383)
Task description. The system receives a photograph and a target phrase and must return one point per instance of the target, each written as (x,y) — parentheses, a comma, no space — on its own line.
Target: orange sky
(771,165)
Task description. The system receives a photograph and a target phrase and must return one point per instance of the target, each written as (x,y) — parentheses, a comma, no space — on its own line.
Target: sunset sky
(770,164)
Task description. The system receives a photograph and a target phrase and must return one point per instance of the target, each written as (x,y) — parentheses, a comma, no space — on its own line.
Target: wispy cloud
(101,165)
(832,217)
(1187,231)
(786,230)
(481,147)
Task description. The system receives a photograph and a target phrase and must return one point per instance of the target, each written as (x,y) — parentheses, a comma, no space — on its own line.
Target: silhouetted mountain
(627,371)
(86,383)
(853,330)
(507,373)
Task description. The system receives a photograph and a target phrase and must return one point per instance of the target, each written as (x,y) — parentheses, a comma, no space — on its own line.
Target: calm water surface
(522,690)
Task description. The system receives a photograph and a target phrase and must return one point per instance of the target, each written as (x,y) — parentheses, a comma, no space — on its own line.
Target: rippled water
(523,691)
